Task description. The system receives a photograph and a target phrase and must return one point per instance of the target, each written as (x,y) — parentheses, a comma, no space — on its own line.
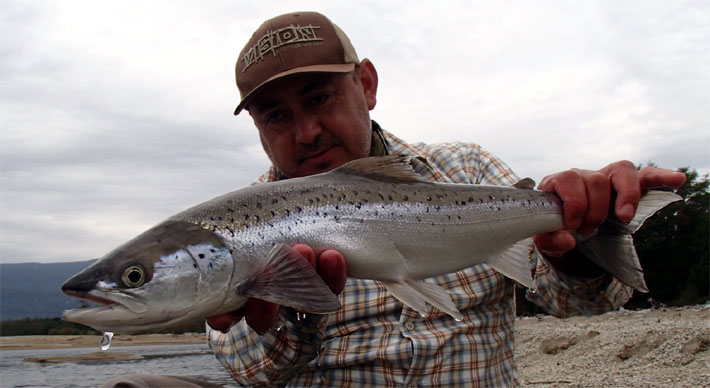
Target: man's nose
(307,128)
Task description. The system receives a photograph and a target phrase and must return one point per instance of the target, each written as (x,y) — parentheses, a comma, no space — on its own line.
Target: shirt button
(409,326)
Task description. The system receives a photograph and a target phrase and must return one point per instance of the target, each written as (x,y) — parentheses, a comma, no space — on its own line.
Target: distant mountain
(33,290)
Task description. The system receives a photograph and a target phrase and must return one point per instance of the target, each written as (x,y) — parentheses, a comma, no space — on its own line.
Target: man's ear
(368,82)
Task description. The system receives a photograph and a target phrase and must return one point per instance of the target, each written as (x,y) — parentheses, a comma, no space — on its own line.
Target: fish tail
(612,247)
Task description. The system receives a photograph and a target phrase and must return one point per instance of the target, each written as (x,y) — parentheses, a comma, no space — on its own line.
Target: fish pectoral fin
(512,263)
(286,278)
(416,294)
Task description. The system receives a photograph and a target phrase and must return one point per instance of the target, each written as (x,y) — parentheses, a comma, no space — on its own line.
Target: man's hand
(586,197)
(261,315)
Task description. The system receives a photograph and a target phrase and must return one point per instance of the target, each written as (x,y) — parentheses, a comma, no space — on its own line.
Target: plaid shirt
(375,341)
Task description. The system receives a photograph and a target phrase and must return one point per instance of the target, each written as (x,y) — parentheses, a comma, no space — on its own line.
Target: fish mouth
(90,298)
(107,300)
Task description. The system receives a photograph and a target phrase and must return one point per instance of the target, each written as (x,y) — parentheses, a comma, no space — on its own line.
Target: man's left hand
(586,197)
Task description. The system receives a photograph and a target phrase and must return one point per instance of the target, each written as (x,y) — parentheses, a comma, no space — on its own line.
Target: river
(184,360)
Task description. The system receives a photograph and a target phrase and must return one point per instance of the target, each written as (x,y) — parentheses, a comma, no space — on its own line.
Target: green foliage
(43,326)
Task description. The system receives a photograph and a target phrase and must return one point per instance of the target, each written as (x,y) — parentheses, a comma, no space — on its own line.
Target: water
(183,360)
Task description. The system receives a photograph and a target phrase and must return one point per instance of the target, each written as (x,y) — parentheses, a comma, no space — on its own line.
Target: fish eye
(133,276)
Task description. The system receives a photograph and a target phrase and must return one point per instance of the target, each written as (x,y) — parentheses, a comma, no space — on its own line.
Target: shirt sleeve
(554,291)
(271,359)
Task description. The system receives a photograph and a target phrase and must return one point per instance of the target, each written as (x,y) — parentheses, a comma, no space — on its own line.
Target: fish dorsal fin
(525,184)
(286,278)
(390,168)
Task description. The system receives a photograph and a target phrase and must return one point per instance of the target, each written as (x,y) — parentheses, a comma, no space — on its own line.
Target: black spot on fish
(246,217)
(337,207)
(382,197)
(288,212)
(273,214)
(325,214)
(298,209)
(428,198)
(257,218)
(389,197)
(405,198)
(201,255)
(274,201)
(470,199)
(419,219)
(258,205)
(213,250)
(210,265)
(230,210)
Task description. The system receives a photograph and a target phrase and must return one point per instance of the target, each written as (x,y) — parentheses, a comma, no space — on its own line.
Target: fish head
(175,272)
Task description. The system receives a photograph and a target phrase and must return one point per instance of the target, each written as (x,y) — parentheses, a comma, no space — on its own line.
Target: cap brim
(333,68)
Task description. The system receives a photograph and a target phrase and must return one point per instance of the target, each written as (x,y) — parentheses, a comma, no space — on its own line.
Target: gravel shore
(650,348)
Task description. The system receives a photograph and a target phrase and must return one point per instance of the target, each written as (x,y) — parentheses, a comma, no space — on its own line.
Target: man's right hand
(261,315)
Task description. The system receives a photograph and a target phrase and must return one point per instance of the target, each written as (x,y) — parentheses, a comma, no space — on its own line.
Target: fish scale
(389,223)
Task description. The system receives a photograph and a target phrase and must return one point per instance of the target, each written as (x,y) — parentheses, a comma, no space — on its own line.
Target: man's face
(313,122)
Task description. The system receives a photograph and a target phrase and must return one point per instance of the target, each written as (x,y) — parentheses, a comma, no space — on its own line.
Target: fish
(390,224)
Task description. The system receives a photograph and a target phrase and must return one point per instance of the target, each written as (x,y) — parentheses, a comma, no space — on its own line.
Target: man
(309,96)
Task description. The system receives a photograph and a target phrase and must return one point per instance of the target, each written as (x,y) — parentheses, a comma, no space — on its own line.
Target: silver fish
(390,224)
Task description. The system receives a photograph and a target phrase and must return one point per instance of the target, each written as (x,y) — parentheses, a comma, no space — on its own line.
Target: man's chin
(323,163)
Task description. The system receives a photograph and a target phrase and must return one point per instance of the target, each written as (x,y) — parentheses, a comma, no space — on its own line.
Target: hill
(33,290)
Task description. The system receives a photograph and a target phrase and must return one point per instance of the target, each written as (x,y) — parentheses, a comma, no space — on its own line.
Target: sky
(117,115)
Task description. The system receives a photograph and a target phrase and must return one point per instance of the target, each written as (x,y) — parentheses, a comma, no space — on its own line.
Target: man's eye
(320,98)
(274,117)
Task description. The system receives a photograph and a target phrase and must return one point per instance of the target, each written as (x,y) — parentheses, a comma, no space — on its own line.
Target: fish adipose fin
(612,247)
(286,278)
(416,294)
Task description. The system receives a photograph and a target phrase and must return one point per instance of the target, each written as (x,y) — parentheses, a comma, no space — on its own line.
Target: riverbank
(88,341)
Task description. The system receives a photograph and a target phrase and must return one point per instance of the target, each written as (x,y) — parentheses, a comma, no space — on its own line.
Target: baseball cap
(292,43)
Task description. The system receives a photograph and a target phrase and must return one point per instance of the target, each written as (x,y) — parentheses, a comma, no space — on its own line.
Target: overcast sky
(117,114)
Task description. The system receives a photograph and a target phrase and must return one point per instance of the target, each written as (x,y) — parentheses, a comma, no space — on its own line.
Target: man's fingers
(625,181)
(260,314)
(569,186)
(307,252)
(223,322)
(598,197)
(653,177)
(333,270)
(555,244)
